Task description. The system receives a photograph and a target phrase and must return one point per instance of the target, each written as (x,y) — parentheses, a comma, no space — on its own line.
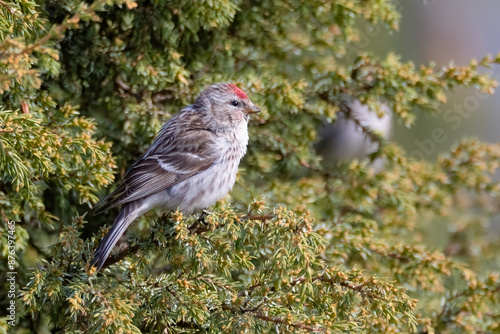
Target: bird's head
(227,104)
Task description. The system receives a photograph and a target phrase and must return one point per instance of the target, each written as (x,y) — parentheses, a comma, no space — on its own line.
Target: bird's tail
(126,216)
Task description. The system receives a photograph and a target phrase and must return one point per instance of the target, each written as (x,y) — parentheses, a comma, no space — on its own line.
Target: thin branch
(112,260)
(10,9)
(358,288)
(212,282)
(448,312)
(58,30)
(8,131)
(197,228)
(257,217)
(276,320)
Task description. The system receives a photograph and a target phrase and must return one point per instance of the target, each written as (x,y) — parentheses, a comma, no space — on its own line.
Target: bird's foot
(204,213)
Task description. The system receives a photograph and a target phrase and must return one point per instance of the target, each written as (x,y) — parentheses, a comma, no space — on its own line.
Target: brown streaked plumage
(190,165)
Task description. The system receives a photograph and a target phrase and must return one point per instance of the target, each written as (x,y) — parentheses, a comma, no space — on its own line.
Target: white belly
(204,189)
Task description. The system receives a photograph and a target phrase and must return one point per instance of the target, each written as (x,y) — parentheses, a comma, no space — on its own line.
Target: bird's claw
(204,213)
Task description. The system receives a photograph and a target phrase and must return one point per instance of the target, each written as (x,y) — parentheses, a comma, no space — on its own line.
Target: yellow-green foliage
(295,248)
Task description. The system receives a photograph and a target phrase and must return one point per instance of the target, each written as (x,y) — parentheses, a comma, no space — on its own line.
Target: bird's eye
(235,103)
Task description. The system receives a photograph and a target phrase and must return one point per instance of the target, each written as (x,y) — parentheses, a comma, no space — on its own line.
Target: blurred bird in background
(345,140)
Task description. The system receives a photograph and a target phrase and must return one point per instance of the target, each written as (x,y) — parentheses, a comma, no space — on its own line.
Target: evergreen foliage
(84,87)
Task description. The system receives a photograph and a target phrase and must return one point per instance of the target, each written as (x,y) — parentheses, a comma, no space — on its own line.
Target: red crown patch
(238,91)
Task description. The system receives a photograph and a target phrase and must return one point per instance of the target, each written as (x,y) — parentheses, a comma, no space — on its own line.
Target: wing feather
(174,156)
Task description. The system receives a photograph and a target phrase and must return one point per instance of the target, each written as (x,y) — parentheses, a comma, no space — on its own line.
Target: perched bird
(345,140)
(190,165)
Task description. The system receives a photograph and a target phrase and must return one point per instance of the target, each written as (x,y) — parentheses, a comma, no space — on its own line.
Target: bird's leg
(200,224)
(204,213)
(166,215)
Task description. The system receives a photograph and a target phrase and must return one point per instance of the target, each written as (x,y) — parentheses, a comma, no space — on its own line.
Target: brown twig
(258,217)
(358,288)
(196,228)
(276,320)
(10,9)
(112,260)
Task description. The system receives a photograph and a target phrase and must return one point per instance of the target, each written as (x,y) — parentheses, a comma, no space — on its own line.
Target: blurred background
(444,32)
(447,31)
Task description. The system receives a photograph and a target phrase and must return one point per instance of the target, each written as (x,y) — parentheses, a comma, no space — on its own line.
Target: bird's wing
(172,158)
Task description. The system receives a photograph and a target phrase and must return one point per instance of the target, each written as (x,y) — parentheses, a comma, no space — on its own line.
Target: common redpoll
(190,165)
(345,140)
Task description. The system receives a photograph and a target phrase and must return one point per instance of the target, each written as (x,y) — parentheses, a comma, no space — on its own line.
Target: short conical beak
(253,109)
